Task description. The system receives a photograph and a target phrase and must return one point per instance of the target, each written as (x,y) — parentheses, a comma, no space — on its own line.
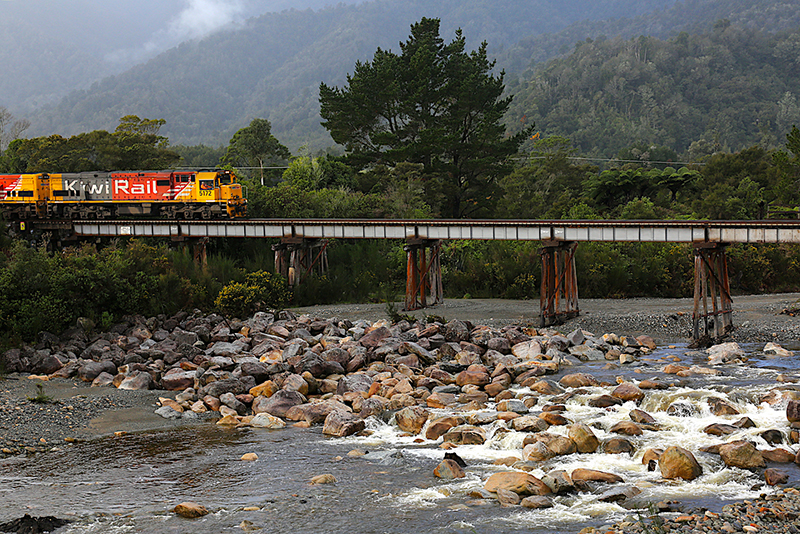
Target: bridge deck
(523,230)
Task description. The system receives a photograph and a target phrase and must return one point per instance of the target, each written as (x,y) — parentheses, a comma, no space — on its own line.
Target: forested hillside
(695,94)
(692,16)
(272,66)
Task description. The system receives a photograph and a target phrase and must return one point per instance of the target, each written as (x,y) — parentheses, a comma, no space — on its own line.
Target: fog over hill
(271,66)
(50,47)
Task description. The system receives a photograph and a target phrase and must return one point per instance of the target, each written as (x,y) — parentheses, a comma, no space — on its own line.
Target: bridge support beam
(200,251)
(711,286)
(297,258)
(559,296)
(423,274)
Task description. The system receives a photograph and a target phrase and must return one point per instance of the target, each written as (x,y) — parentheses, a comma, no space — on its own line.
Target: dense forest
(695,94)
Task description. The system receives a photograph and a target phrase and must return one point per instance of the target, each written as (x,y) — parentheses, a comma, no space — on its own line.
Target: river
(130,483)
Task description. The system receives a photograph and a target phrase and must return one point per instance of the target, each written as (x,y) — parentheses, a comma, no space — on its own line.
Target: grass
(656,525)
(395,316)
(41,397)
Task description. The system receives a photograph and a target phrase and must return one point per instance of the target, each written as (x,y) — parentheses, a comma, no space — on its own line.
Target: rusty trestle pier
(559,292)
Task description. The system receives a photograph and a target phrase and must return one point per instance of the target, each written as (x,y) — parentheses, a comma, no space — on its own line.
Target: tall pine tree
(435,104)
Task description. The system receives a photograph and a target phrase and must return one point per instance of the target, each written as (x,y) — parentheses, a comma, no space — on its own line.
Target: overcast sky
(127,31)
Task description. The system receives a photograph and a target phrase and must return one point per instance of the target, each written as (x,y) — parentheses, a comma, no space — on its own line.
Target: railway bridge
(302,248)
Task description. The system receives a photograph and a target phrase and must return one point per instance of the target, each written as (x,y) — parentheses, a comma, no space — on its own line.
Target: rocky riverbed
(595,414)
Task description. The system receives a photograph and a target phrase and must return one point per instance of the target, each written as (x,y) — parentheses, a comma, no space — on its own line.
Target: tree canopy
(134,145)
(254,146)
(434,104)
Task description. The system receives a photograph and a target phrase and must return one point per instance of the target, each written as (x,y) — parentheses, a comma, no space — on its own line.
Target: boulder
(230,400)
(560,445)
(592,475)
(626,428)
(554,419)
(779,456)
(558,481)
(546,387)
(773,436)
(628,391)
(578,380)
(777,350)
(518,482)
(412,419)
(642,417)
(465,435)
(327,478)
(537,452)
(314,413)
(618,446)
(279,403)
(584,438)
(605,401)
(677,462)
(257,370)
(721,407)
(176,379)
(529,423)
(793,411)
(45,364)
(90,369)
(536,502)
(456,331)
(449,470)
(265,420)
(138,380)
(742,454)
(103,379)
(440,426)
(472,376)
(507,497)
(357,382)
(190,510)
(340,423)
(265,389)
(527,350)
(774,477)
(226,385)
(720,429)
(619,494)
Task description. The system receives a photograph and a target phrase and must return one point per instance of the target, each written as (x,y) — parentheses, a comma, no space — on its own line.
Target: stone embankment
(432,380)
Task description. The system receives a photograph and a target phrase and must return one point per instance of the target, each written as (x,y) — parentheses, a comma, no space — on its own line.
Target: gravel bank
(769,513)
(75,412)
(757,318)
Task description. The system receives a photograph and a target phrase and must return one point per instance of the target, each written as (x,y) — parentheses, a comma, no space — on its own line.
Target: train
(173,194)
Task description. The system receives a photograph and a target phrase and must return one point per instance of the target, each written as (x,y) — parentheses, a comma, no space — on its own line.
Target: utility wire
(617,160)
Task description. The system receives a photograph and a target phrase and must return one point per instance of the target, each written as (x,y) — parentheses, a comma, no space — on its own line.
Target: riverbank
(684,400)
(82,412)
(756,318)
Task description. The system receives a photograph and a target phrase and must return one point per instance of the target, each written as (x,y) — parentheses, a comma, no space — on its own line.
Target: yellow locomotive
(107,195)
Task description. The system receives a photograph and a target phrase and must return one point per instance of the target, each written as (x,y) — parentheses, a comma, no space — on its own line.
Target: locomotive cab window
(225,179)
(206,185)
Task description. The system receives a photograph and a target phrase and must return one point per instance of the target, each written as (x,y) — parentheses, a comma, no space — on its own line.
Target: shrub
(260,290)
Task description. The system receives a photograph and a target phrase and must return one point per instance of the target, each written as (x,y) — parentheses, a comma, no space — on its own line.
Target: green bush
(260,290)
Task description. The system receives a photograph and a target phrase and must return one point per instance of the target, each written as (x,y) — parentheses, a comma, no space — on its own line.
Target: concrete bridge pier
(559,296)
(423,274)
(711,287)
(297,258)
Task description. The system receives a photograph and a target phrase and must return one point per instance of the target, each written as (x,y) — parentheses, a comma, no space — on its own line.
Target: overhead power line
(618,160)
